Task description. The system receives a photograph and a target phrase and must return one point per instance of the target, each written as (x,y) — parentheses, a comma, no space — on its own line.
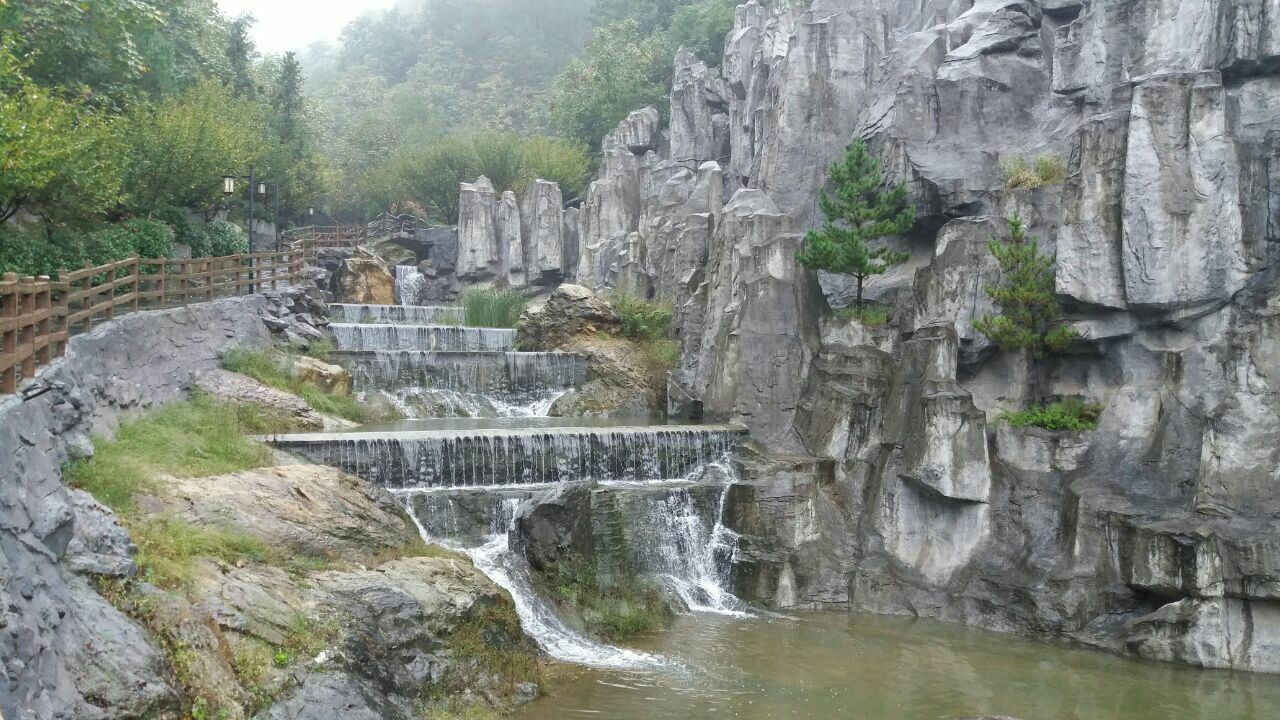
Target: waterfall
(509,570)
(517,456)
(496,373)
(692,556)
(409,284)
(397,314)
(360,336)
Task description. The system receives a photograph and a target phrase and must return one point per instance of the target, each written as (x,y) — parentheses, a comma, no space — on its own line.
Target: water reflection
(832,665)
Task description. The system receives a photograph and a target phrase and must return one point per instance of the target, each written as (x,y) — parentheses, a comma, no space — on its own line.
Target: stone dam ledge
(361,435)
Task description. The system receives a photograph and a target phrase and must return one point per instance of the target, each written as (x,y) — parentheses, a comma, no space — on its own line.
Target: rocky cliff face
(1156,533)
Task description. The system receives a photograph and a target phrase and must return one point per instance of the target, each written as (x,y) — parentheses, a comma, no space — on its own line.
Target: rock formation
(364,279)
(514,243)
(1154,533)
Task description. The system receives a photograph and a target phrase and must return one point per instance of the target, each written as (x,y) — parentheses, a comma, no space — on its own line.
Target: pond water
(834,665)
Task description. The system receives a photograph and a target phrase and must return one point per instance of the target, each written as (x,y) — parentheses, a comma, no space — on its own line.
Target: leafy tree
(1029,308)
(701,27)
(77,44)
(624,69)
(58,159)
(860,211)
(240,58)
(181,148)
(222,238)
(564,162)
(431,175)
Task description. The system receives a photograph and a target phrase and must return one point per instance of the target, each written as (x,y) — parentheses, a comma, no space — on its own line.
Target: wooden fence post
(137,283)
(8,334)
(90,298)
(27,328)
(44,305)
(62,327)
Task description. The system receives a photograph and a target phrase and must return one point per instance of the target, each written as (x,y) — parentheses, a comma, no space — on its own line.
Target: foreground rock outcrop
(363,278)
(1136,140)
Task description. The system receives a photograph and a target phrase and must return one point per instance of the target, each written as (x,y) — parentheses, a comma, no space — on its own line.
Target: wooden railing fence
(39,314)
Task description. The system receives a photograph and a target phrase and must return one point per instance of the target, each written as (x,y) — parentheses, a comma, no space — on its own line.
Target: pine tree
(1025,296)
(860,211)
(239,56)
(286,104)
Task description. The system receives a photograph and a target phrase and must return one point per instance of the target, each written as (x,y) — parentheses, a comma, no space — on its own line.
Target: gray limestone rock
(542,219)
(511,240)
(479,252)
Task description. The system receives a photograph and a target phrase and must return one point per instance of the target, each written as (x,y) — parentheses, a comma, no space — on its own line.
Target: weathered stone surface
(1183,236)
(697,101)
(318,511)
(952,289)
(364,279)
(639,133)
(542,218)
(511,239)
(242,389)
(65,651)
(1090,268)
(479,251)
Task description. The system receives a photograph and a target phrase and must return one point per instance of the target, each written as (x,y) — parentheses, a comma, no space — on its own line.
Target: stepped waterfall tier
(366,336)
(509,456)
(498,373)
(396,314)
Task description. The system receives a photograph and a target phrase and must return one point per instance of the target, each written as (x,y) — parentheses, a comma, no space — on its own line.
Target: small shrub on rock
(868,315)
(1023,174)
(1070,414)
(221,238)
(641,319)
(1029,309)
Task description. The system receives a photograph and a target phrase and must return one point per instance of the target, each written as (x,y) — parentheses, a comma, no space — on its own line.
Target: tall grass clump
(492,308)
(647,323)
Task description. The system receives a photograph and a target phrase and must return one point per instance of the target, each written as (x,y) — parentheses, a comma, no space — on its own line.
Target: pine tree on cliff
(860,211)
(1029,310)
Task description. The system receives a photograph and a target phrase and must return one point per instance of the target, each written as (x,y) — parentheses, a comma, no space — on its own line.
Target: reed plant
(492,308)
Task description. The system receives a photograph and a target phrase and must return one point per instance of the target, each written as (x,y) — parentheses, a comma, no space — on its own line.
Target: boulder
(317,511)
(363,279)
(571,310)
(244,390)
(332,378)
(639,133)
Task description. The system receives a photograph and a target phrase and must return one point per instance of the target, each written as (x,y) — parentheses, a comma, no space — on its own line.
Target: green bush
(640,319)
(492,308)
(222,238)
(185,232)
(1070,414)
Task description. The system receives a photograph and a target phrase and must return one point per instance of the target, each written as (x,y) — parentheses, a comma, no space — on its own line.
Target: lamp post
(229,188)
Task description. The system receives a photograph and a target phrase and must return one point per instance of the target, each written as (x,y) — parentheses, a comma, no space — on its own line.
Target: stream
(823,665)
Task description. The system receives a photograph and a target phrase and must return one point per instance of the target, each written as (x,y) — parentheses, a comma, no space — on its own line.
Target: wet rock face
(363,279)
(516,242)
(1150,136)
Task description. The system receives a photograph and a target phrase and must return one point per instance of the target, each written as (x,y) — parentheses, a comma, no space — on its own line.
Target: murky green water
(831,665)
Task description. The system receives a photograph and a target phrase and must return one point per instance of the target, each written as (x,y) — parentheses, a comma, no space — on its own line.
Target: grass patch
(169,547)
(199,438)
(1068,414)
(490,642)
(868,315)
(459,710)
(492,308)
(1023,174)
(321,349)
(274,371)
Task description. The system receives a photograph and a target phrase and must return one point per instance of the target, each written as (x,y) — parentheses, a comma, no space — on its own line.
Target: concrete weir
(478,456)
(463,371)
(440,338)
(397,314)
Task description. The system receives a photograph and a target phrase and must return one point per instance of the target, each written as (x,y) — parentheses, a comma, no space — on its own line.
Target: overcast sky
(295,24)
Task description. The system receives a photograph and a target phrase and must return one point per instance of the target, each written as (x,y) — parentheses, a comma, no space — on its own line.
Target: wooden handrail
(39,315)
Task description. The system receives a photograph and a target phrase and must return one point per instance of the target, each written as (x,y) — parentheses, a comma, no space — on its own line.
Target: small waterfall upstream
(409,284)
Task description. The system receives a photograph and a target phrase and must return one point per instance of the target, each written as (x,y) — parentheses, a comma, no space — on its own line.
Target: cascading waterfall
(509,570)
(369,336)
(693,557)
(475,372)
(397,314)
(462,458)
(409,284)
